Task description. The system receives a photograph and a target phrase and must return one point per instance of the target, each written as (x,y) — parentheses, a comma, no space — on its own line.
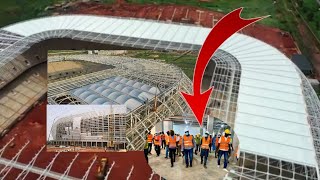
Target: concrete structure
(103,127)
(258,91)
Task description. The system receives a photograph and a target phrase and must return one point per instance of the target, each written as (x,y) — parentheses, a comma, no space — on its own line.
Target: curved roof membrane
(274,110)
(116,90)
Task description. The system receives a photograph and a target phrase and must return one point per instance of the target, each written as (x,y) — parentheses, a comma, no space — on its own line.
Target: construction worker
(157,142)
(172,144)
(179,142)
(224,146)
(167,143)
(146,149)
(210,139)
(237,152)
(150,138)
(187,146)
(216,144)
(163,140)
(197,139)
(205,143)
(213,142)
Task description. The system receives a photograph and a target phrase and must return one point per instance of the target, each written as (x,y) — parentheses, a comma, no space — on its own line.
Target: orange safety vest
(167,139)
(224,143)
(187,141)
(150,137)
(172,142)
(205,143)
(157,140)
(217,141)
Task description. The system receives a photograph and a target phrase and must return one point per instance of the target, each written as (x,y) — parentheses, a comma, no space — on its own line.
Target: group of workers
(174,144)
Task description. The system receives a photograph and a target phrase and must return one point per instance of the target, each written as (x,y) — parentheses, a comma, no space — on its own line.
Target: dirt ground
(33,128)
(63,66)
(185,14)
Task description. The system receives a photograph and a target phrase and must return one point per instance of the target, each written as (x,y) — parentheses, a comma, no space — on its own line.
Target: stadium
(258,91)
(86,126)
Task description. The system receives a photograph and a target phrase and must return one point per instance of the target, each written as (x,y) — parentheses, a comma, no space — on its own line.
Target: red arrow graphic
(226,27)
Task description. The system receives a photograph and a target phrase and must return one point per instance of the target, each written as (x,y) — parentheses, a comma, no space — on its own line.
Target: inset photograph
(86,128)
(179,148)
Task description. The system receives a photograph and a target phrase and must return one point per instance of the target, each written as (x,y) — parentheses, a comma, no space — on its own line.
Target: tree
(310,16)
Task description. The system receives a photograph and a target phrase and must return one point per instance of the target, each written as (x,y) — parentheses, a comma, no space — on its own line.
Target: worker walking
(210,145)
(146,149)
(179,142)
(224,146)
(172,147)
(197,139)
(167,143)
(216,144)
(205,143)
(163,140)
(150,138)
(213,143)
(187,146)
(157,142)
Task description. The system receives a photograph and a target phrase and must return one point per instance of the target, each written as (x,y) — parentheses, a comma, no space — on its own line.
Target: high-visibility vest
(162,137)
(180,141)
(157,140)
(150,137)
(205,143)
(172,142)
(167,139)
(217,141)
(187,141)
(224,143)
(146,146)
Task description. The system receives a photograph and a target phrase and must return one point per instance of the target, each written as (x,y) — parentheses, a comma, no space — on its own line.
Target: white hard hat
(207,132)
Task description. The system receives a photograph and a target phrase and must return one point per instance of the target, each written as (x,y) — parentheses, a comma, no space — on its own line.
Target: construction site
(264,99)
(86,128)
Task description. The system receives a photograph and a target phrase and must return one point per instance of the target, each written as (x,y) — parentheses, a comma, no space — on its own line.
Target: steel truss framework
(169,102)
(252,166)
(93,128)
(168,78)
(47,172)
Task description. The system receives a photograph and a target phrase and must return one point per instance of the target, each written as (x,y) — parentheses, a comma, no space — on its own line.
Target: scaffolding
(91,129)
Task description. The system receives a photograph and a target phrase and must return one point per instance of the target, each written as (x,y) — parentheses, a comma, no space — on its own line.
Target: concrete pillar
(167,125)
(159,126)
(210,121)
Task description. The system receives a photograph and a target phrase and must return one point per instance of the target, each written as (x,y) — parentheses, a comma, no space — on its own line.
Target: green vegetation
(252,8)
(12,11)
(310,10)
(185,62)
(18,10)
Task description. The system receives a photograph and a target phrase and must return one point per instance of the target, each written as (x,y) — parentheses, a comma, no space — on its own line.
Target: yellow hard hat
(227,131)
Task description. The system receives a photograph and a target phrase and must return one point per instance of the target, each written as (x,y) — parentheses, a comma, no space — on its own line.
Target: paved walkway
(162,166)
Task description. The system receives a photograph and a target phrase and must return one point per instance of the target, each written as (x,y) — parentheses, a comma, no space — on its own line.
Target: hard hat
(207,132)
(227,131)
(186,130)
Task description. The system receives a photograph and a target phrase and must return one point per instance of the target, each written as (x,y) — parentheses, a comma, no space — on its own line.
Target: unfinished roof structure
(92,127)
(258,90)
